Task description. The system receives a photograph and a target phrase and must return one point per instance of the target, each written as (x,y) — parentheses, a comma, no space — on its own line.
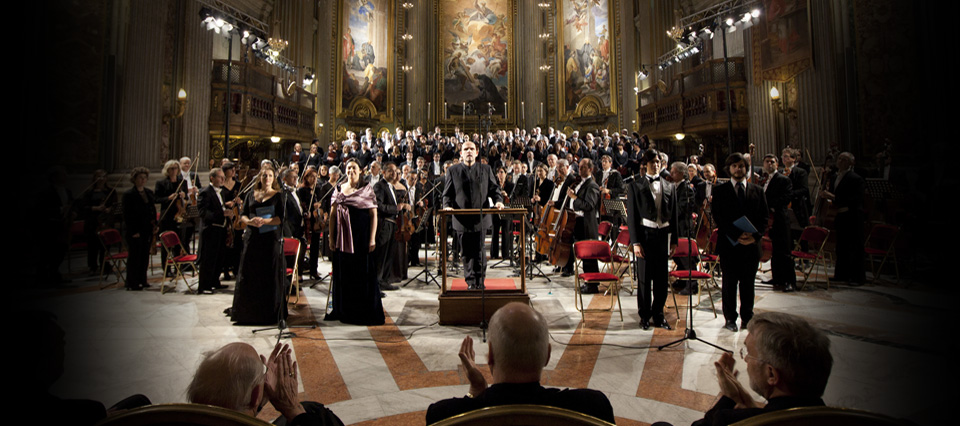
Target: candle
(522,112)
(408,111)
(428,111)
(541,110)
(446,114)
(463,112)
(504,110)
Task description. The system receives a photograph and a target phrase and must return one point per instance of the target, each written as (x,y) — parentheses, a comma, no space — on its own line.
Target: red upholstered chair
(291,248)
(694,274)
(816,240)
(169,240)
(708,255)
(604,230)
(599,251)
(621,258)
(113,254)
(880,243)
(766,244)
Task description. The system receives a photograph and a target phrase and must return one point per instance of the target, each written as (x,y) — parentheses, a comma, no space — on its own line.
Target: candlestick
(522,112)
(408,111)
(541,110)
(446,114)
(428,111)
(504,110)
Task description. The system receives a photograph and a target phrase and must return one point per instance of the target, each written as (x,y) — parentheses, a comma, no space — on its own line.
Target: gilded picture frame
(587,60)
(364,58)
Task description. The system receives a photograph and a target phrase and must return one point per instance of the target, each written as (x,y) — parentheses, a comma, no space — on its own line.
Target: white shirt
(576,190)
(656,189)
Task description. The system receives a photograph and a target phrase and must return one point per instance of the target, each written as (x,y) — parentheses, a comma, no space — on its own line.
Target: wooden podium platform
(463,307)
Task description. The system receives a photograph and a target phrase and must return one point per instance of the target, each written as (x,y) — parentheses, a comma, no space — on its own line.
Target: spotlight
(729,22)
(755,13)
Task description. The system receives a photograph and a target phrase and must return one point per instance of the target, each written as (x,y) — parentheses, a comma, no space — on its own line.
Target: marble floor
(886,357)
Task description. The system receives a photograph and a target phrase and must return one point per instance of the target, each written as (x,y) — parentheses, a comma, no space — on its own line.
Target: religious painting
(476,43)
(365,55)
(783,35)
(587,68)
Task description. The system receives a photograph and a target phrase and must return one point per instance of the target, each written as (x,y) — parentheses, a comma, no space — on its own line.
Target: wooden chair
(522,414)
(169,240)
(599,251)
(821,416)
(110,239)
(181,415)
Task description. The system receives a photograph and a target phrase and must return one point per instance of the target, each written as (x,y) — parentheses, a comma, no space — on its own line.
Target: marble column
(197,67)
(141,74)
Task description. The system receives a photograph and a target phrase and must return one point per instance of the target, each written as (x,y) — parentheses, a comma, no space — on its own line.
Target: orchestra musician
(611,187)
(168,191)
(231,197)
(502,230)
(388,205)
(139,218)
(310,204)
(215,217)
(583,200)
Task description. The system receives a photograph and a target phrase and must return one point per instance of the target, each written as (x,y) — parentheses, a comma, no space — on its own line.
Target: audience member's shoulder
(450,407)
(587,401)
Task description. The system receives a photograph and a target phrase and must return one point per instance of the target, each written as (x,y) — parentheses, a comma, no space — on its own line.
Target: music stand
(514,204)
(422,229)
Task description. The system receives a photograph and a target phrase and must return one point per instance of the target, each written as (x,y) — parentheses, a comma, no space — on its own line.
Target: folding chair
(604,230)
(291,247)
(110,238)
(621,258)
(694,274)
(816,239)
(708,256)
(169,240)
(599,251)
(880,242)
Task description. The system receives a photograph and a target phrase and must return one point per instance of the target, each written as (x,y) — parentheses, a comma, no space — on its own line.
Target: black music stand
(422,229)
(515,204)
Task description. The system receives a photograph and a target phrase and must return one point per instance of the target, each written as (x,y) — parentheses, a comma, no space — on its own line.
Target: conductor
(471,185)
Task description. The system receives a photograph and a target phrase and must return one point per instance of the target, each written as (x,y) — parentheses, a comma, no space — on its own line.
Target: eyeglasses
(744,355)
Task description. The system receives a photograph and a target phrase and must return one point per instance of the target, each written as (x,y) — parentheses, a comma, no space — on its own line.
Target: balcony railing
(695,101)
(259,105)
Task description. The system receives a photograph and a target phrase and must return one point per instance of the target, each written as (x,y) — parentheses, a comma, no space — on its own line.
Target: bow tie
(653,178)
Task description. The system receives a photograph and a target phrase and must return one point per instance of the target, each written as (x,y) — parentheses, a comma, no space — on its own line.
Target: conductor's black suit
(470,188)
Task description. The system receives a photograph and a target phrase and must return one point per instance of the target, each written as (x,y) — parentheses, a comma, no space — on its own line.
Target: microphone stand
(688,333)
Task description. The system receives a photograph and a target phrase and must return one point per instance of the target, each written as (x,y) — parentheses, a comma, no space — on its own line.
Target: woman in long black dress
(139,216)
(353,228)
(259,295)
(230,193)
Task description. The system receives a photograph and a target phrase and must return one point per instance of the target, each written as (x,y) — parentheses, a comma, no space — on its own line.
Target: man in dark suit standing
(213,235)
(471,185)
(387,208)
(611,187)
(846,191)
(502,235)
(739,250)
(651,202)
(584,198)
(777,189)
(800,194)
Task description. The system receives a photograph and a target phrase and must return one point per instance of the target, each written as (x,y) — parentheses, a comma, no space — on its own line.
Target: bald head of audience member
(231,377)
(519,344)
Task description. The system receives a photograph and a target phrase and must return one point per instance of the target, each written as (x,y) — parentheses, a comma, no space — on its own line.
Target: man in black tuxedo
(777,189)
(739,251)
(584,199)
(387,208)
(846,191)
(518,349)
(471,185)
(651,202)
(297,157)
(213,235)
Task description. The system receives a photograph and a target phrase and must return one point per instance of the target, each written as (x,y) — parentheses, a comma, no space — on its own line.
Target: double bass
(562,242)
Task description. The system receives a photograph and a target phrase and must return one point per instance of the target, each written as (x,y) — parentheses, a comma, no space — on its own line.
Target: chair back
(882,236)
(815,236)
(592,250)
(604,228)
(522,414)
(181,415)
(623,238)
(683,244)
(291,246)
(109,237)
(821,416)
(169,239)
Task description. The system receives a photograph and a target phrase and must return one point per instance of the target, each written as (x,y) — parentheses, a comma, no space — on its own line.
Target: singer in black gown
(353,221)
(259,296)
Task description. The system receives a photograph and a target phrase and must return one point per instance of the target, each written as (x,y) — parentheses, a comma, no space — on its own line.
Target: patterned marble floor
(120,343)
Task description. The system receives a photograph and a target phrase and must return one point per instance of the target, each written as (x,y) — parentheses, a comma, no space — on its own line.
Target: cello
(562,241)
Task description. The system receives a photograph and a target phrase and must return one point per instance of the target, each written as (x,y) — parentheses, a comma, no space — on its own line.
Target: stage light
(729,22)
(755,13)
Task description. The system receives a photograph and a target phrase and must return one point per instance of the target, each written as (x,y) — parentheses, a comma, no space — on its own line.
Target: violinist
(190,184)
(310,204)
(231,200)
(583,199)
(388,205)
(325,193)
(419,186)
(216,217)
(139,215)
(96,205)
(502,232)
(611,187)
(561,182)
(293,220)
(171,191)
